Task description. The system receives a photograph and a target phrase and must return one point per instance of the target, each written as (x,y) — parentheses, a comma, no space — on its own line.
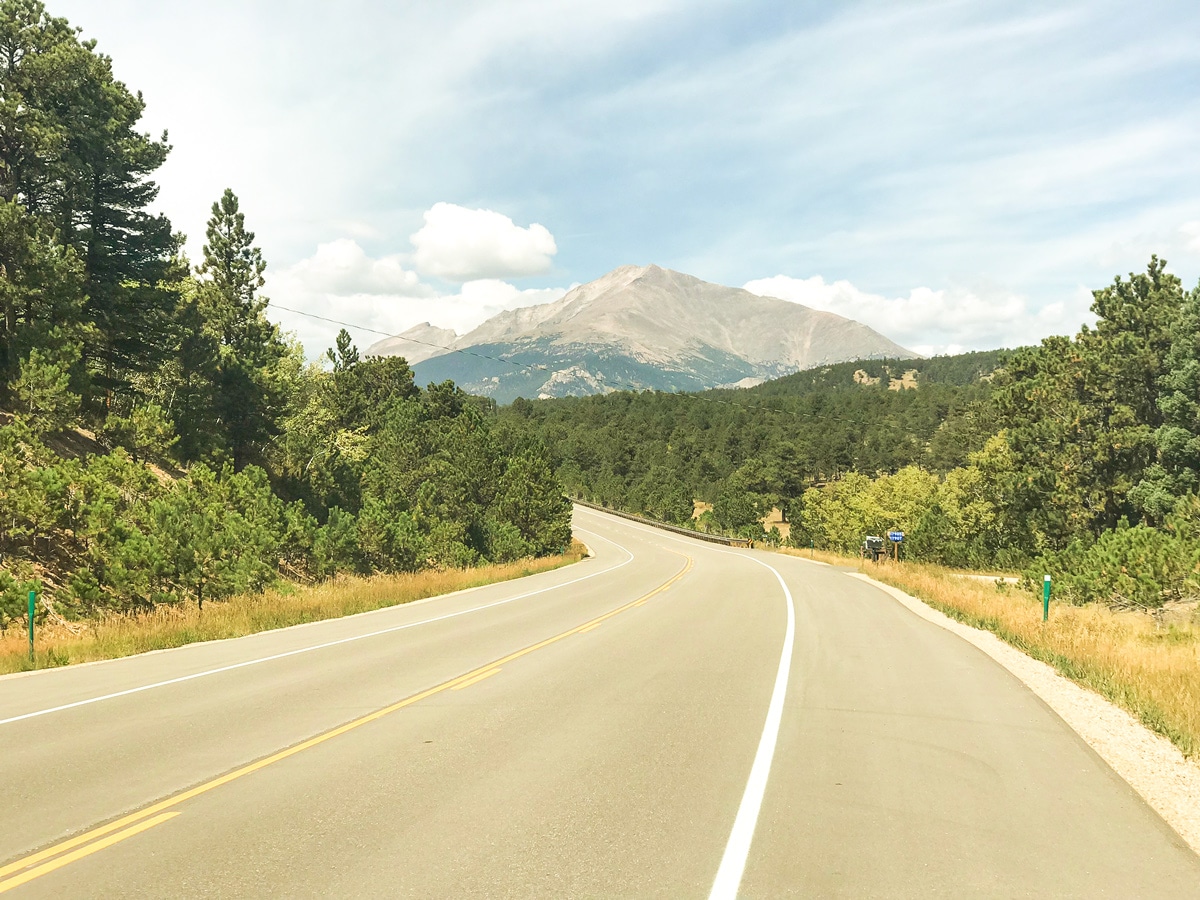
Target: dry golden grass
(825,556)
(165,627)
(1149,670)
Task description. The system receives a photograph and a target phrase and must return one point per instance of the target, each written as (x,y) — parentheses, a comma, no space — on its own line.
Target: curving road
(668,718)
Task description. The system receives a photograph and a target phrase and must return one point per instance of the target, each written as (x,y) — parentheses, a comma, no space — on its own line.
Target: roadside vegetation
(124,634)
(1079,457)
(164,448)
(161,442)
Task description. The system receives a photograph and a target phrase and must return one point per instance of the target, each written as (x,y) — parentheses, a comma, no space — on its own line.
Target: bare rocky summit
(419,343)
(639,327)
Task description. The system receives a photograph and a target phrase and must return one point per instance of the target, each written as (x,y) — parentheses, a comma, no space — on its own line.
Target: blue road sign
(896,536)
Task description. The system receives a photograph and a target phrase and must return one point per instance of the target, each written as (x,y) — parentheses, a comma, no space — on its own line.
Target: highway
(667,718)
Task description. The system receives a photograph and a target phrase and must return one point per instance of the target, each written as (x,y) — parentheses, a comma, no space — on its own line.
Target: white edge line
(741,836)
(314,623)
(263,659)
(253,635)
(737,850)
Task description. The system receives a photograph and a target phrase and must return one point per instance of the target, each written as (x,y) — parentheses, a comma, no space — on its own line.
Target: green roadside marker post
(1046,599)
(32,607)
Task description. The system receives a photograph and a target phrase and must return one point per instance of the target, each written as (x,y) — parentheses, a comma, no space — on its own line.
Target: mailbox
(872,547)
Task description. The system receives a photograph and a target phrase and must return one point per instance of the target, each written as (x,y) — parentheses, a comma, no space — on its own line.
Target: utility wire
(609,382)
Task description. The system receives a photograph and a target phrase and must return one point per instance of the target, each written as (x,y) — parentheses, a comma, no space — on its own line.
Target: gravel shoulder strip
(1150,763)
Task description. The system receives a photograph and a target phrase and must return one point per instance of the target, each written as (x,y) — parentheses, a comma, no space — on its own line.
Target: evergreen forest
(161,441)
(1079,457)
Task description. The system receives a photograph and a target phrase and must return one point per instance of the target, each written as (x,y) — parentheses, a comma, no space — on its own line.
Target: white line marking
(737,849)
(348,640)
(733,862)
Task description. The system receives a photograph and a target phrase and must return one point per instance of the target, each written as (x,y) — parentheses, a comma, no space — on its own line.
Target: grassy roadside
(1150,671)
(166,627)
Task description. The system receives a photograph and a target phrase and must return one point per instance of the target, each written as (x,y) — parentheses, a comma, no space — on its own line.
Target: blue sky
(957,175)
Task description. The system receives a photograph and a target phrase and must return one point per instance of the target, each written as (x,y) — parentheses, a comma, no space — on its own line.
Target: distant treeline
(221,460)
(748,450)
(1079,457)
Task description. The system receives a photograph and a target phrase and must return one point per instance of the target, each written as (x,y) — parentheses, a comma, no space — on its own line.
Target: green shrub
(1136,567)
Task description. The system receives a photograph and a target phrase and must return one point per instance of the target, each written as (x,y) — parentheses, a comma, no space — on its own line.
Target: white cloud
(356,229)
(341,282)
(930,321)
(431,67)
(1191,233)
(461,244)
(342,267)
(479,300)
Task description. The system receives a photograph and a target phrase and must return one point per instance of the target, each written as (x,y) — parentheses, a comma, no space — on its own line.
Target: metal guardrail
(698,535)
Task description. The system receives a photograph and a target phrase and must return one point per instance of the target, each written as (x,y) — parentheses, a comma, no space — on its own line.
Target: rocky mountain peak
(419,343)
(643,327)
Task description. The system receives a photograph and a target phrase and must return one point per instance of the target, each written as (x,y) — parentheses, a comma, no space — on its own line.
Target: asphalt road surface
(669,718)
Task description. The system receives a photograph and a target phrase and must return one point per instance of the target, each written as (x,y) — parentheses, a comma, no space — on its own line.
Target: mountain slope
(418,344)
(643,327)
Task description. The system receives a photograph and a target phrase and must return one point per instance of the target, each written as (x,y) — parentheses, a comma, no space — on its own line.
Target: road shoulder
(1148,762)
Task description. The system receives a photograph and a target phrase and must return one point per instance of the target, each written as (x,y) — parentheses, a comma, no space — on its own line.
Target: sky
(957,175)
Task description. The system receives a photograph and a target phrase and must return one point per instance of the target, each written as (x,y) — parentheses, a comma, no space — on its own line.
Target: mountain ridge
(647,326)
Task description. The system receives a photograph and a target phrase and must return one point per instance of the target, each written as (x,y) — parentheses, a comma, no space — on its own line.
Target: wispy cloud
(932,321)
(1009,147)
(341,282)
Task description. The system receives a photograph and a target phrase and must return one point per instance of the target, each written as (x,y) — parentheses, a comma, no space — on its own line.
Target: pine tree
(530,498)
(345,357)
(43,389)
(41,289)
(234,268)
(248,401)
(1081,414)
(1133,333)
(1176,471)
(72,156)
(192,404)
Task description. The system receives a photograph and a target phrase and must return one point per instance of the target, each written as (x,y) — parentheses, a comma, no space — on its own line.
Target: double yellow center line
(45,861)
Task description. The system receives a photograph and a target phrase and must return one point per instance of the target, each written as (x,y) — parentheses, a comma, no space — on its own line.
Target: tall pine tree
(1176,472)
(248,400)
(41,291)
(71,155)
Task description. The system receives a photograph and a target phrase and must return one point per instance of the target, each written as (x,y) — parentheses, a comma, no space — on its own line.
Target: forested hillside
(748,450)
(1079,457)
(162,441)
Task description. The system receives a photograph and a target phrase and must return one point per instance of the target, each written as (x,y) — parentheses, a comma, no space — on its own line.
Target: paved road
(669,718)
